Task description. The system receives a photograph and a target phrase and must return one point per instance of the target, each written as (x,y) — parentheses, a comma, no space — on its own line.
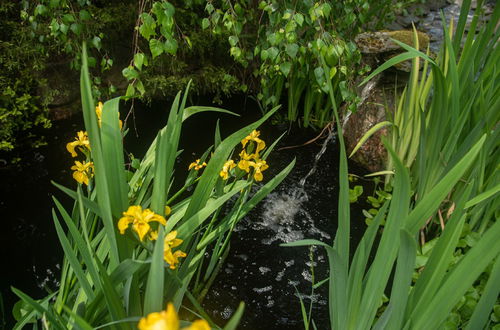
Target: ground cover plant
(444,160)
(132,244)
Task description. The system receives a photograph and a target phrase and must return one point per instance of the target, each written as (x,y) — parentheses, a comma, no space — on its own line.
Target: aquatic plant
(126,236)
(425,299)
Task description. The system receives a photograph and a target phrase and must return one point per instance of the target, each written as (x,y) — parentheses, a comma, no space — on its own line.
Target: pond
(268,277)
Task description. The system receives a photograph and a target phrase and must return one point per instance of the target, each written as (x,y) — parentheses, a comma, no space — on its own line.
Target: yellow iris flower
(259,166)
(226,168)
(197,166)
(83,171)
(140,220)
(172,258)
(98,112)
(245,161)
(169,320)
(153,235)
(254,136)
(81,141)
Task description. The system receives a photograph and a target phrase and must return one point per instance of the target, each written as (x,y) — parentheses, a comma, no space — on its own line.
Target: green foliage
(279,42)
(376,201)
(22,112)
(458,287)
(112,275)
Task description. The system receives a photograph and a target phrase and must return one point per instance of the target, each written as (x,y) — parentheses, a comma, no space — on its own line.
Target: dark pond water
(268,277)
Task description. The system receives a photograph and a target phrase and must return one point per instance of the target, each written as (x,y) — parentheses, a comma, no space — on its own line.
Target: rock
(372,110)
(380,41)
(436,4)
(407,20)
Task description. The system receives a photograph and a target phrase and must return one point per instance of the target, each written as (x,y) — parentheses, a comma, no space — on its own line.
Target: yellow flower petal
(149,216)
(168,210)
(140,221)
(172,318)
(71,148)
(123,223)
(224,173)
(133,211)
(153,235)
(173,258)
(98,112)
(80,177)
(83,171)
(164,320)
(170,236)
(142,228)
(198,325)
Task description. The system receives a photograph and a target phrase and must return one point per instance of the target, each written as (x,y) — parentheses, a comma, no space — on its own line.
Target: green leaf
(368,134)
(148,26)
(130,73)
(40,10)
(92,61)
(156,47)
(76,28)
(273,52)
(205,23)
(189,111)
(63,28)
(153,299)
(235,52)
(170,46)
(461,277)
(285,68)
(68,18)
(54,3)
(292,50)
(233,40)
(53,319)
(72,258)
(483,196)
(169,8)
(299,18)
(140,87)
(333,72)
(84,15)
(488,299)
(264,55)
(138,61)
(130,91)
(96,42)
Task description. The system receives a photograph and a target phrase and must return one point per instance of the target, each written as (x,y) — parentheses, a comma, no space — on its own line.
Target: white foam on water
(227,312)
(264,270)
(306,275)
(284,214)
(264,289)
(280,275)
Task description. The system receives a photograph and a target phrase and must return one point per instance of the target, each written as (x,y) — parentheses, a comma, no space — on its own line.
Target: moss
(407,37)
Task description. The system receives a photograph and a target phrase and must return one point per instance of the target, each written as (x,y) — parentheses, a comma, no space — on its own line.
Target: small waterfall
(284,213)
(330,137)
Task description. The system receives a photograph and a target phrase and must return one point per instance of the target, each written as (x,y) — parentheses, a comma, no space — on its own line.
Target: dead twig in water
(328,128)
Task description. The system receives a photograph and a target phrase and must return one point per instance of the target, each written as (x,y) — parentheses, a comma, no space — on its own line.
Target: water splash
(329,138)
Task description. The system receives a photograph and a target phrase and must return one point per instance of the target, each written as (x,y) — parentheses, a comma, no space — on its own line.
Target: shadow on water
(258,270)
